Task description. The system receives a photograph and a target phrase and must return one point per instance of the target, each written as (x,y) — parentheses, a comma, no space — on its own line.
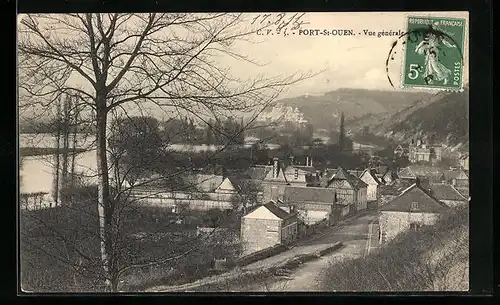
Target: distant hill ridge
(444,116)
(324,110)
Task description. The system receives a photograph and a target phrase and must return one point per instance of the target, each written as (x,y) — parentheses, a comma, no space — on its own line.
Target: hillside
(436,258)
(324,110)
(443,115)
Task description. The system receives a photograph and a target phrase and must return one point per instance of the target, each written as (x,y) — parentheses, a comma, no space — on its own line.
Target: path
(352,233)
(359,237)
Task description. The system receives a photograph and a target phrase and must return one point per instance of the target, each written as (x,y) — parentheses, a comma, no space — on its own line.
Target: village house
(457,178)
(274,183)
(369,177)
(389,176)
(409,211)
(350,189)
(198,192)
(401,151)
(267,226)
(422,172)
(463,160)
(298,175)
(447,194)
(390,191)
(419,150)
(314,204)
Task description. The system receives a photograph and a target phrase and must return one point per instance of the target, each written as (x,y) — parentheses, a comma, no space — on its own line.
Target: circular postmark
(427,41)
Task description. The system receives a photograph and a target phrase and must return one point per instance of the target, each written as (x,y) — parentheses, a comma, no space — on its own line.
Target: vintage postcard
(252,152)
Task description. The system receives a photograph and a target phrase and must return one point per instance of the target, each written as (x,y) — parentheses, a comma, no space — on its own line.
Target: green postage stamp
(434,53)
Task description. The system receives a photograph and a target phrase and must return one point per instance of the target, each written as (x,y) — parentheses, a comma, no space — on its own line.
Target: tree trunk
(57,155)
(105,206)
(73,146)
(65,130)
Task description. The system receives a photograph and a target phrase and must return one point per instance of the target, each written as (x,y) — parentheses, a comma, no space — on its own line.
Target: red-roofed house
(412,209)
(267,226)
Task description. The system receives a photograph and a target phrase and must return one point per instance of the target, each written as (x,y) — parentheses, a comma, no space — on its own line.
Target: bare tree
(118,62)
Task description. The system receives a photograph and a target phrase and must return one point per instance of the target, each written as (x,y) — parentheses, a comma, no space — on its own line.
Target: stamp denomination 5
(433,54)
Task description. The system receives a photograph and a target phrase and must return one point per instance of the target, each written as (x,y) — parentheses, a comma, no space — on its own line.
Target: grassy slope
(434,259)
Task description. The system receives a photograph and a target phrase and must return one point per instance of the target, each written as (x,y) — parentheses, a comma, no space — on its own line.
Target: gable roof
(258,172)
(395,188)
(402,147)
(341,174)
(371,172)
(281,174)
(309,194)
(442,191)
(227,185)
(280,213)
(426,202)
(415,171)
(390,174)
(455,174)
(352,180)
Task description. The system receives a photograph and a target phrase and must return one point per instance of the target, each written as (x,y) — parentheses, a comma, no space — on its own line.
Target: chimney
(275,167)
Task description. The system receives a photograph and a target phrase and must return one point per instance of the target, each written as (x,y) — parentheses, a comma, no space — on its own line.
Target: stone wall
(393,223)
(259,234)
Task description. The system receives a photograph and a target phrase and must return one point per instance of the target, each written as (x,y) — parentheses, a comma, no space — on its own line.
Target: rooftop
(414,194)
(309,194)
(443,191)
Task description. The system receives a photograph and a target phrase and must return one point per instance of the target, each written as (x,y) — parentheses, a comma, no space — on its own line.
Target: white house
(370,178)
(267,226)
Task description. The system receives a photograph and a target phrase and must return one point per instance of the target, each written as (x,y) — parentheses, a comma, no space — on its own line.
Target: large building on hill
(419,150)
(410,210)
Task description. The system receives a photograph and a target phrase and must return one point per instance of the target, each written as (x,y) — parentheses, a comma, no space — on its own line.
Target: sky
(357,61)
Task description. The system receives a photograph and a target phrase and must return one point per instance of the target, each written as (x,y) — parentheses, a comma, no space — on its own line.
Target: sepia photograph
(243,152)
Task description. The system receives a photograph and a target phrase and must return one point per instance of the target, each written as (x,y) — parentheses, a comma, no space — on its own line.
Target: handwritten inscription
(281,21)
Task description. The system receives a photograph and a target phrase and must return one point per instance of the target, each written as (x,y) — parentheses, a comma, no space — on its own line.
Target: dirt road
(353,234)
(359,237)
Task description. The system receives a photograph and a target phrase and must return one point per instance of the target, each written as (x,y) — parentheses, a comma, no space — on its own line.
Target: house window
(415,226)
(414,206)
